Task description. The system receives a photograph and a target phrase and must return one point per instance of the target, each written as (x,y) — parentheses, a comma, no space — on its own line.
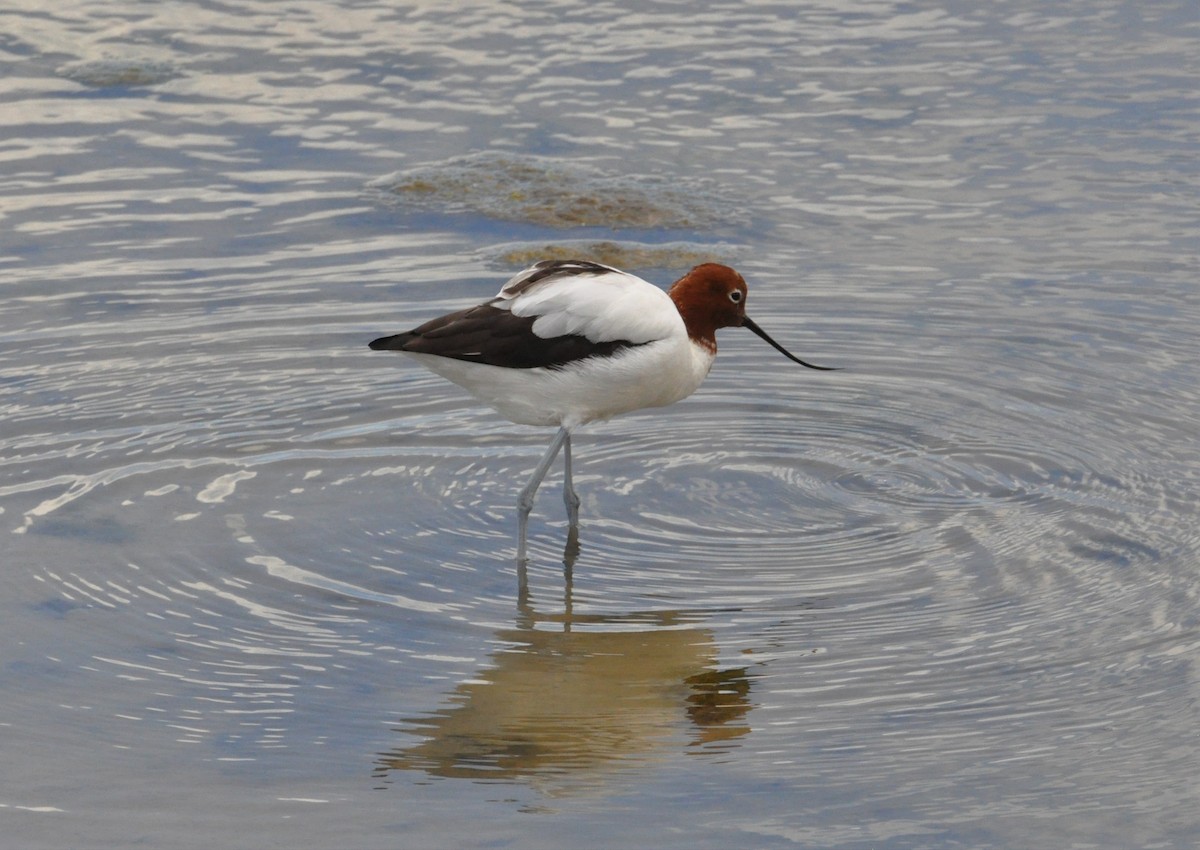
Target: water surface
(258,581)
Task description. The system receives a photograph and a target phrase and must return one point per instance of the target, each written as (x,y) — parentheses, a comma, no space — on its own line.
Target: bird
(568,342)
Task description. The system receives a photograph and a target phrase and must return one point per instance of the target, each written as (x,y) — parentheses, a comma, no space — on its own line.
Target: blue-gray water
(257,584)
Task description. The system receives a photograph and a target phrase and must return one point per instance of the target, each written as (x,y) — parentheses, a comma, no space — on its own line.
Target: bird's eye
(736,296)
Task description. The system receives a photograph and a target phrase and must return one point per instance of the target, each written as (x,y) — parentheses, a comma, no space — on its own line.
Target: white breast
(652,375)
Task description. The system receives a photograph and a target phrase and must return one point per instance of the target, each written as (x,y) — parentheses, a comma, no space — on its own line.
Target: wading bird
(567,342)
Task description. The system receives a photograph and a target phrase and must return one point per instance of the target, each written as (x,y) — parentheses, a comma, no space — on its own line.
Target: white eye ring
(735,296)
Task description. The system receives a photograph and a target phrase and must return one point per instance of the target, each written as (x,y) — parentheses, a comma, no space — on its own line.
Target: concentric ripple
(945,596)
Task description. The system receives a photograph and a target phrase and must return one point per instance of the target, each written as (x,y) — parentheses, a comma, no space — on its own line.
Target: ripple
(950,589)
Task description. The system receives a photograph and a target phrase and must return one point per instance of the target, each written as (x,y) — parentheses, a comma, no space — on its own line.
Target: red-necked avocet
(567,342)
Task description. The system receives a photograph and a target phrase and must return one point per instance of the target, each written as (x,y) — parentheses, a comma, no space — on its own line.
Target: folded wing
(552,314)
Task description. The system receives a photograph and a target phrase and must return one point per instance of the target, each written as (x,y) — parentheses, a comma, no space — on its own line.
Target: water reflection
(572,701)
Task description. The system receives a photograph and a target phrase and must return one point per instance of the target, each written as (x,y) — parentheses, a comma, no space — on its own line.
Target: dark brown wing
(547,269)
(487,334)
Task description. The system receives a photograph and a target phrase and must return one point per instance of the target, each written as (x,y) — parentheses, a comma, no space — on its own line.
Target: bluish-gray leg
(570,497)
(525,501)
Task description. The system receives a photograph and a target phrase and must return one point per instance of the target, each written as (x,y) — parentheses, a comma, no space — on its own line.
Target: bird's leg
(570,497)
(525,501)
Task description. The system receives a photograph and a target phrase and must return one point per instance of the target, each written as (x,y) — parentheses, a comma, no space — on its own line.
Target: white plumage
(660,367)
(608,306)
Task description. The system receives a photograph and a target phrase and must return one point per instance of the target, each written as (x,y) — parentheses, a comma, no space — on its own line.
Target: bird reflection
(572,701)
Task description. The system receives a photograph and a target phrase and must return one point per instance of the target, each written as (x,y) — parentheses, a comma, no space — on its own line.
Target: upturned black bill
(746,323)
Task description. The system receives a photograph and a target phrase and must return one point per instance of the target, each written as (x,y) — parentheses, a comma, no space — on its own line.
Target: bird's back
(563,342)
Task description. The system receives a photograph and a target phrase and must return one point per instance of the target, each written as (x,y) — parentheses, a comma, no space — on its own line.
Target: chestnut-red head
(713,296)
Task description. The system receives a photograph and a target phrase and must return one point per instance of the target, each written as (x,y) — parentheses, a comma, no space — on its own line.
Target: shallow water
(259,583)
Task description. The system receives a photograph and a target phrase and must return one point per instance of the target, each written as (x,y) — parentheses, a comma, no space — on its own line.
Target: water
(258,584)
